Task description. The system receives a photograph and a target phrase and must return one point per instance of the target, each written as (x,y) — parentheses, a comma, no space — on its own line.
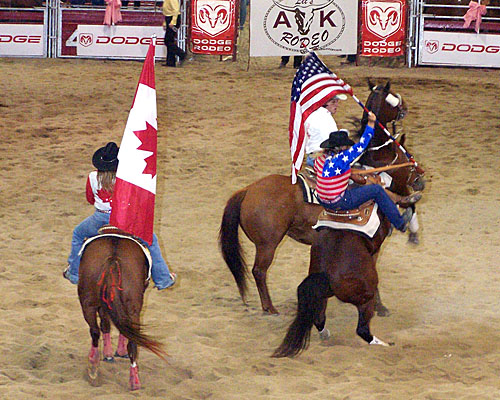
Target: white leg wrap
(414,223)
(133,365)
(376,340)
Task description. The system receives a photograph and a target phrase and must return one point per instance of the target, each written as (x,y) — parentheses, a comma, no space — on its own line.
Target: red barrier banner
(213,25)
(383,28)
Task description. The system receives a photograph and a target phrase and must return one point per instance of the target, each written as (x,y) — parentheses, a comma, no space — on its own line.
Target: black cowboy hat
(106,158)
(337,139)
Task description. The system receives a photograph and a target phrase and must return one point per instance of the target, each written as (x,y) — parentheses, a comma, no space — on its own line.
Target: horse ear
(371,85)
(403,138)
(387,86)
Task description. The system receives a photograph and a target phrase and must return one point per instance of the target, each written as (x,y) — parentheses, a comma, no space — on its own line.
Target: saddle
(358,216)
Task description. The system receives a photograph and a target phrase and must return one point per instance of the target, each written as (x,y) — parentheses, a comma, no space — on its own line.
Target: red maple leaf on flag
(148,139)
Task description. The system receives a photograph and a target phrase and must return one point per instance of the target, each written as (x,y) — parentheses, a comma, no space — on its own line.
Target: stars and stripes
(333,172)
(313,85)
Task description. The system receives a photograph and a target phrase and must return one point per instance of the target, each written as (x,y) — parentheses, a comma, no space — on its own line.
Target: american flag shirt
(333,171)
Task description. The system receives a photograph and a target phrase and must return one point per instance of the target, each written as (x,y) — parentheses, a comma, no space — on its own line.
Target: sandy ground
(222,127)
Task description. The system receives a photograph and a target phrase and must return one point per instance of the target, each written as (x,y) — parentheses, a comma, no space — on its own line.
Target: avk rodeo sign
(285,27)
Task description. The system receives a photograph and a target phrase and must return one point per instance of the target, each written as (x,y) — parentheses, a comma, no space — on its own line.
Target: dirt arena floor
(222,127)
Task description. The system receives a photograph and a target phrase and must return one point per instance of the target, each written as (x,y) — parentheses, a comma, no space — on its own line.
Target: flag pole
(410,157)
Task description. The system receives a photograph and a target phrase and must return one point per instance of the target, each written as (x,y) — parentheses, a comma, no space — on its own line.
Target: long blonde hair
(106,180)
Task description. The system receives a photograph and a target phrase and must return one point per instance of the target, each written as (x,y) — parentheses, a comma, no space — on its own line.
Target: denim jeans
(89,227)
(354,197)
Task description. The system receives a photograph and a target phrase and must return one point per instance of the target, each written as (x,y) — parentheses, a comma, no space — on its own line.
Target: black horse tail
(311,293)
(229,243)
(113,303)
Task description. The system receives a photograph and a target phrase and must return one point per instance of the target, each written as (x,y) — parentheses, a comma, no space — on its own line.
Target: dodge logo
(431,46)
(85,39)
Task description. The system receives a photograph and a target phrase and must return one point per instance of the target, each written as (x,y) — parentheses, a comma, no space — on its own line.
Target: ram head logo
(213,17)
(383,18)
(432,46)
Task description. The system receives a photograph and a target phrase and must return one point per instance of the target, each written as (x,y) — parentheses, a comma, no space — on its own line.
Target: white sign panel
(115,41)
(463,49)
(285,27)
(21,40)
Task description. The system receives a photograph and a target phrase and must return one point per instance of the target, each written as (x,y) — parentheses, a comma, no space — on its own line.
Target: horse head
(390,108)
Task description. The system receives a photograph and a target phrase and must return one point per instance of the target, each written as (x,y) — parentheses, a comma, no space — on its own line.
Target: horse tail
(229,243)
(114,304)
(311,293)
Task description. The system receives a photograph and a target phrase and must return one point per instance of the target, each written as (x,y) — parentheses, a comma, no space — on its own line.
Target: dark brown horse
(112,279)
(342,265)
(272,207)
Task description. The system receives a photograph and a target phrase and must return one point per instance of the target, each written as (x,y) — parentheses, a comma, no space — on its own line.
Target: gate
(77,31)
(437,35)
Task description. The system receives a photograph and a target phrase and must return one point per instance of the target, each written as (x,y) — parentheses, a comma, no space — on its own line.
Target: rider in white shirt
(319,125)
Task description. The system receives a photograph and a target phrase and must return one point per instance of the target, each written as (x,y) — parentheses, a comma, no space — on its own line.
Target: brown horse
(112,279)
(272,207)
(342,265)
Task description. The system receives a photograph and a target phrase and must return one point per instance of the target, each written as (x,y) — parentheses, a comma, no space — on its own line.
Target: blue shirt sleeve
(357,149)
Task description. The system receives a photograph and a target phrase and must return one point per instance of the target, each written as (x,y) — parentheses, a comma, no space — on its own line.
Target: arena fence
(70,31)
(438,37)
(435,32)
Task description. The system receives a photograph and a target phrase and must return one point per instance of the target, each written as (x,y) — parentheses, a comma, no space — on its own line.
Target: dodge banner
(383,28)
(213,25)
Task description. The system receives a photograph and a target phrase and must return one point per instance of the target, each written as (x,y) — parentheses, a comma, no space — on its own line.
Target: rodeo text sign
(213,25)
(383,28)
(287,27)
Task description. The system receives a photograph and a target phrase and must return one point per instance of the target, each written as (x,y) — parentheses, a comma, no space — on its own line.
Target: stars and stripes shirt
(333,171)
(96,195)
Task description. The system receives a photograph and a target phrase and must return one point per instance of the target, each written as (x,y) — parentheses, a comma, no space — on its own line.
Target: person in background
(99,193)
(319,125)
(171,11)
(333,171)
(297,60)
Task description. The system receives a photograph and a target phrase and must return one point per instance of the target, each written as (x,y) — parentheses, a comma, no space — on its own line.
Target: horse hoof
(324,334)
(109,359)
(271,310)
(413,238)
(120,355)
(376,340)
(93,373)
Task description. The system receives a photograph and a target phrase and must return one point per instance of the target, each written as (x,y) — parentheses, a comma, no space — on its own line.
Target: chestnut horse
(272,207)
(343,265)
(113,276)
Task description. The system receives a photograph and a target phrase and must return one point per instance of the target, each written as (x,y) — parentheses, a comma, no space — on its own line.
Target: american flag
(312,86)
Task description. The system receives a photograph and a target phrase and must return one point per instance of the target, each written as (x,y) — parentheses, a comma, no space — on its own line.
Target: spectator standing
(171,11)
(297,60)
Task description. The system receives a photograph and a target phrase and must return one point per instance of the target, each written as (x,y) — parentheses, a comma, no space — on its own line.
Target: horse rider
(319,125)
(333,170)
(99,192)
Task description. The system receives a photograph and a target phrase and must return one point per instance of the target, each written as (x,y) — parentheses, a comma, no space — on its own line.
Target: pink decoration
(475,13)
(112,14)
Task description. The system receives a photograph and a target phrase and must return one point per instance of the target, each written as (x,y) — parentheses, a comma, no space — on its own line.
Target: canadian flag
(133,202)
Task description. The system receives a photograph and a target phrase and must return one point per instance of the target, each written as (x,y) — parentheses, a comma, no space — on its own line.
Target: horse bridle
(401,113)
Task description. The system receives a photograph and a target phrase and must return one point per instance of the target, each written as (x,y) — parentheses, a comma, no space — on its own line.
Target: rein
(380,169)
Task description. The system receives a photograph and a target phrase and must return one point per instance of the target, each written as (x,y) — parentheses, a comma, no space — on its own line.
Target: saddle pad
(144,248)
(369,229)
(308,193)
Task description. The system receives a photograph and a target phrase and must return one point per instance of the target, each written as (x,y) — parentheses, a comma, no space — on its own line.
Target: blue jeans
(89,227)
(354,197)
(310,161)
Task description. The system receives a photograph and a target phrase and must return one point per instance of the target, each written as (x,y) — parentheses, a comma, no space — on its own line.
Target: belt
(103,211)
